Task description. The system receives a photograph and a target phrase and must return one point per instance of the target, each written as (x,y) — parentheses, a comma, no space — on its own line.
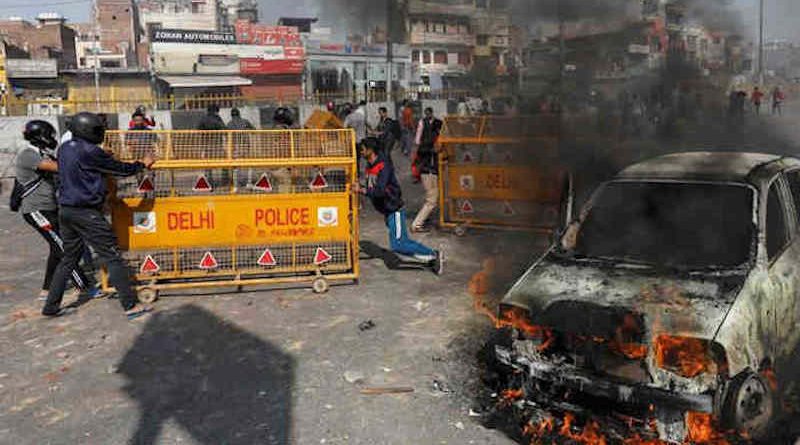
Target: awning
(205,81)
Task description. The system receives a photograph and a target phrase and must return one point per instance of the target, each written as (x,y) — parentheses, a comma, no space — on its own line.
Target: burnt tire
(750,406)
(148,295)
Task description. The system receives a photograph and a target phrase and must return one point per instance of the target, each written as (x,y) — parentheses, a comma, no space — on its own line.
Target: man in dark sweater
(383,190)
(82,167)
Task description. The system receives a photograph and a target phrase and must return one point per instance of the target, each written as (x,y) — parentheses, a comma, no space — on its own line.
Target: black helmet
(89,127)
(41,134)
(283,116)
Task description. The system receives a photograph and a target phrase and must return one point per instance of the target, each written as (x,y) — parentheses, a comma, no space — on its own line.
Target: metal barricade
(502,172)
(235,208)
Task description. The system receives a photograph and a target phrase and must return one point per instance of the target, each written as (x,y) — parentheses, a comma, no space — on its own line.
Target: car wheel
(750,405)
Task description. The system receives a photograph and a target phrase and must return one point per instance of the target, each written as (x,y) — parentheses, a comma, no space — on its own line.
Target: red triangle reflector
(202,184)
(146,185)
(319,182)
(208,262)
(466,207)
(149,265)
(263,184)
(321,257)
(467,157)
(508,210)
(267,259)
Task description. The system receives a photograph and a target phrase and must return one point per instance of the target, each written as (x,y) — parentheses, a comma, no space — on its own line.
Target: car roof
(704,166)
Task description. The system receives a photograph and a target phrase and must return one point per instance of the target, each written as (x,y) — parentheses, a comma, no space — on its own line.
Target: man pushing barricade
(383,189)
(82,167)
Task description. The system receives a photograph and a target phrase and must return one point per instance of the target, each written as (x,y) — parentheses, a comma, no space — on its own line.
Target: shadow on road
(393,261)
(219,383)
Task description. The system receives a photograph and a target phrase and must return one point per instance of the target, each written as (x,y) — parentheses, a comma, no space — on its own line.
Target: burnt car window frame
(755,242)
(786,204)
(794,196)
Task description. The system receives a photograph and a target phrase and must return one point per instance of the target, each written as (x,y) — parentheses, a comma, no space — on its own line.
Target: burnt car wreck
(671,296)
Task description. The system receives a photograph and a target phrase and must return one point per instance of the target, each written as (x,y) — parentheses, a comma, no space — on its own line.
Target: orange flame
(590,435)
(509,396)
(701,430)
(686,356)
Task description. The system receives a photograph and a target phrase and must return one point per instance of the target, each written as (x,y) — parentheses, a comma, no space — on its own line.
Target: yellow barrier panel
(502,172)
(232,208)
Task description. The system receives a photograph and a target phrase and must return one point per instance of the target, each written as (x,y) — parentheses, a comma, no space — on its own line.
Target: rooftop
(707,166)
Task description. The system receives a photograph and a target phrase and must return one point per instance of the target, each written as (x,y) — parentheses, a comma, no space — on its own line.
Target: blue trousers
(398,236)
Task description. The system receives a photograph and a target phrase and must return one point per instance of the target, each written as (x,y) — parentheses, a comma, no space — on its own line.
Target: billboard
(192,36)
(182,58)
(262,66)
(257,34)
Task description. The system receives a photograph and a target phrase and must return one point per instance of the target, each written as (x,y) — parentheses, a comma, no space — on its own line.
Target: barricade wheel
(148,295)
(460,231)
(320,285)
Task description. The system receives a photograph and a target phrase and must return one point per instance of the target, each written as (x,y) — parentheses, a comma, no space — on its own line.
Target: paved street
(256,367)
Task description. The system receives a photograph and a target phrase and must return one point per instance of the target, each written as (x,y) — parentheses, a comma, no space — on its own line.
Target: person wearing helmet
(283,118)
(82,167)
(36,164)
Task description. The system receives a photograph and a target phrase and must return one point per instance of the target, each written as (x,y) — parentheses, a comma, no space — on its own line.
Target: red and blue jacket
(383,189)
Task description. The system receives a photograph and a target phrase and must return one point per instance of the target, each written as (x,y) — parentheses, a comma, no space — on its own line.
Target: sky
(782,15)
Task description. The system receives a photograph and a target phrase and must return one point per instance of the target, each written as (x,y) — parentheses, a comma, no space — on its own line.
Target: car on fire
(674,290)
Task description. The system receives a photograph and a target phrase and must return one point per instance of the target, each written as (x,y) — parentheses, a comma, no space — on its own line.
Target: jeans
(46,223)
(398,236)
(87,225)
(430,183)
(407,140)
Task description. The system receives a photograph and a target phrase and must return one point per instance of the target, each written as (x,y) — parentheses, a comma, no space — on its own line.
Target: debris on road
(387,390)
(459,425)
(366,325)
(442,387)
(353,377)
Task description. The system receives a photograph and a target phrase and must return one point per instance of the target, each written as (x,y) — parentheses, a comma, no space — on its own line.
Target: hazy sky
(783,16)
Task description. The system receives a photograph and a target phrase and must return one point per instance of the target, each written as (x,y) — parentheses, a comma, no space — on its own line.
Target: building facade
(48,38)
(116,21)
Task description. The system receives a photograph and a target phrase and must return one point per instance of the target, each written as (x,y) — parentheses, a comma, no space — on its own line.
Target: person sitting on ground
(383,190)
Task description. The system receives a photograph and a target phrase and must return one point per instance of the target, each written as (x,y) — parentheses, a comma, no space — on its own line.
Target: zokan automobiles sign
(192,36)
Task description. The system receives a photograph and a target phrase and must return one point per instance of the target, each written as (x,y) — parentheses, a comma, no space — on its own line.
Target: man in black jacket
(383,190)
(82,167)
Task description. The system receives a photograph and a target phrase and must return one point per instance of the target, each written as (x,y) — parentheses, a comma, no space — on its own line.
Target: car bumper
(571,377)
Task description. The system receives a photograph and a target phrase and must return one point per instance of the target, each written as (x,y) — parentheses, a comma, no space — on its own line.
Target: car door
(782,252)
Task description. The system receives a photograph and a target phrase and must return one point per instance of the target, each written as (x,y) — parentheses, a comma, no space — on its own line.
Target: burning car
(675,290)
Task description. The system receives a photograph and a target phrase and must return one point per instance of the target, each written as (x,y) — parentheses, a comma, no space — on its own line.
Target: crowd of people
(60,189)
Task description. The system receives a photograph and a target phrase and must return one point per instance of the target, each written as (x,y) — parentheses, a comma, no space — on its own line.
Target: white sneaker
(425,258)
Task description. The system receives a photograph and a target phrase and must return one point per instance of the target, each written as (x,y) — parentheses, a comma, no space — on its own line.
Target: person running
(757,97)
(428,165)
(357,120)
(778,97)
(384,191)
(388,131)
(82,167)
(37,165)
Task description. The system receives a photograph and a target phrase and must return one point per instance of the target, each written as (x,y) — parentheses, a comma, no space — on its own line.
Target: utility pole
(389,49)
(96,50)
(761,42)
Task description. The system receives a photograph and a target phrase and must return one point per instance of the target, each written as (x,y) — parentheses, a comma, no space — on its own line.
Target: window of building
(482,40)
(426,57)
(198,8)
(438,28)
(777,232)
(464,58)
(480,4)
(415,56)
(427,26)
(440,57)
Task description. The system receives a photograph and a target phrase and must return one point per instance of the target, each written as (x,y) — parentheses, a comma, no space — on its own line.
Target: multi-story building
(442,38)
(116,23)
(492,26)
(48,38)
(199,15)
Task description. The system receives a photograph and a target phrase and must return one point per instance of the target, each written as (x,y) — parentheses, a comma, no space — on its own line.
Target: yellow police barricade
(502,172)
(235,208)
